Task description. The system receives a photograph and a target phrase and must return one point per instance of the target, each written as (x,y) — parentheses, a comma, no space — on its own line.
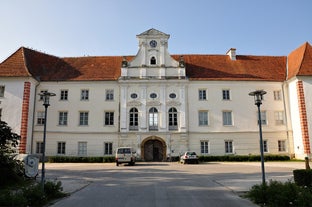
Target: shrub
(303,177)
(280,194)
(242,158)
(63,159)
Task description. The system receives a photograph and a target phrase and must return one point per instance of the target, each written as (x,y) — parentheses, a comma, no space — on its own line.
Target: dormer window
(153,60)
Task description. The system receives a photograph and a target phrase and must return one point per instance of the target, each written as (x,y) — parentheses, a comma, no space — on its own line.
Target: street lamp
(45,96)
(258,96)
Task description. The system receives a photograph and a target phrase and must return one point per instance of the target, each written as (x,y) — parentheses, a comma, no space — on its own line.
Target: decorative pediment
(153,103)
(134,103)
(173,103)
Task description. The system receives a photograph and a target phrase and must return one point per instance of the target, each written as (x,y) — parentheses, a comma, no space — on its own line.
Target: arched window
(153,119)
(173,119)
(133,119)
(153,60)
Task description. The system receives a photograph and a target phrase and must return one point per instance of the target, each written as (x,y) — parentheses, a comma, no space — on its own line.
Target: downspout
(34,118)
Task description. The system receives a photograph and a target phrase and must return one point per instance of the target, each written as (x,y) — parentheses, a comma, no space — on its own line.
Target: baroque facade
(158,103)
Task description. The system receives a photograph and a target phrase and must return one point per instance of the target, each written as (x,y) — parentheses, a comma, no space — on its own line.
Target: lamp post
(258,96)
(45,96)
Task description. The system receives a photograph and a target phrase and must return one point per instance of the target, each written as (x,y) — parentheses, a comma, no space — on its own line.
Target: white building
(158,103)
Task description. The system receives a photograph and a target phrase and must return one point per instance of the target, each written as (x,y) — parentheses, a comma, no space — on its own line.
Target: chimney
(232,53)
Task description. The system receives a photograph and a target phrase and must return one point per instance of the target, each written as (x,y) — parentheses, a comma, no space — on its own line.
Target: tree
(10,169)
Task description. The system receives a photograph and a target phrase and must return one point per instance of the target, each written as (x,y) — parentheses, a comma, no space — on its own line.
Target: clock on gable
(153,43)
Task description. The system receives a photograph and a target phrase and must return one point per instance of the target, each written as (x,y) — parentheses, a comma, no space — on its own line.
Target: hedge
(243,158)
(61,159)
(303,177)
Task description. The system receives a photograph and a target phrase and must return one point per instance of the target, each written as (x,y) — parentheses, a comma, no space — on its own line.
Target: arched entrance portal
(153,149)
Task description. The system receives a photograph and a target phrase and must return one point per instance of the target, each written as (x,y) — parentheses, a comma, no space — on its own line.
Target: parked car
(125,155)
(189,157)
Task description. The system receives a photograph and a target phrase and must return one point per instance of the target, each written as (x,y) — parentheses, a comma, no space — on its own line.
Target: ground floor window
(281,145)
(108,148)
(204,147)
(61,147)
(39,147)
(228,147)
(82,148)
(265,146)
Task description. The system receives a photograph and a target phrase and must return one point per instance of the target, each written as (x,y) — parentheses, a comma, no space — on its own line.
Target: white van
(125,155)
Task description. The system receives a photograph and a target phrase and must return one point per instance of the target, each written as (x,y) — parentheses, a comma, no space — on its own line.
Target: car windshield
(124,151)
(191,153)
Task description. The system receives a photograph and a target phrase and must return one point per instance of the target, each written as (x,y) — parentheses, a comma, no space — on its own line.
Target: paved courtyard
(162,184)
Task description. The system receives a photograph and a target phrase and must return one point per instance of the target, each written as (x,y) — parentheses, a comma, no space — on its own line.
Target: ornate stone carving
(153,103)
(173,103)
(134,103)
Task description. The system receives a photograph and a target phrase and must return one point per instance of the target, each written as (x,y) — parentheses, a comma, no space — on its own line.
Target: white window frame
(84,95)
(202,94)
(108,118)
(281,145)
(64,95)
(227,118)
(109,95)
(226,94)
(279,117)
(40,117)
(277,95)
(203,118)
(108,148)
(83,118)
(61,148)
(204,147)
(82,148)
(264,120)
(63,118)
(39,147)
(229,147)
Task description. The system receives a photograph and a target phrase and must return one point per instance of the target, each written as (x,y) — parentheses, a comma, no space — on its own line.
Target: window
(61,147)
(265,146)
(277,95)
(63,118)
(2,88)
(41,97)
(134,95)
(153,60)
(263,118)
(108,148)
(172,95)
(153,95)
(39,147)
(226,94)
(203,118)
(202,94)
(64,95)
(153,119)
(281,145)
(227,118)
(228,147)
(109,95)
(204,147)
(82,148)
(40,117)
(173,119)
(84,95)
(133,119)
(109,118)
(279,117)
(83,118)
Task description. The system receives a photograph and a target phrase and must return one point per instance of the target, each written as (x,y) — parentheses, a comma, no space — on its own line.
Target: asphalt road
(162,184)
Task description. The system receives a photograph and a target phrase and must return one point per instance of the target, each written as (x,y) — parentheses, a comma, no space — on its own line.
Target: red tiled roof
(221,67)
(26,62)
(300,61)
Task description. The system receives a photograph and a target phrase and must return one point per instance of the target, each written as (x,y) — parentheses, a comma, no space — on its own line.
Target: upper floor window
(84,95)
(279,117)
(153,119)
(40,118)
(109,95)
(263,118)
(277,95)
(227,118)
(41,92)
(202,94)
(133,119)
(173,119)
(109,118)
(63,115)
(226,95)
(203,118)
(83,118)
(153,60)
(2,88)
(153,95)
(64,95)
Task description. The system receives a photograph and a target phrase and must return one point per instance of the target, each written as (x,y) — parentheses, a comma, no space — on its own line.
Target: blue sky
(71,28)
